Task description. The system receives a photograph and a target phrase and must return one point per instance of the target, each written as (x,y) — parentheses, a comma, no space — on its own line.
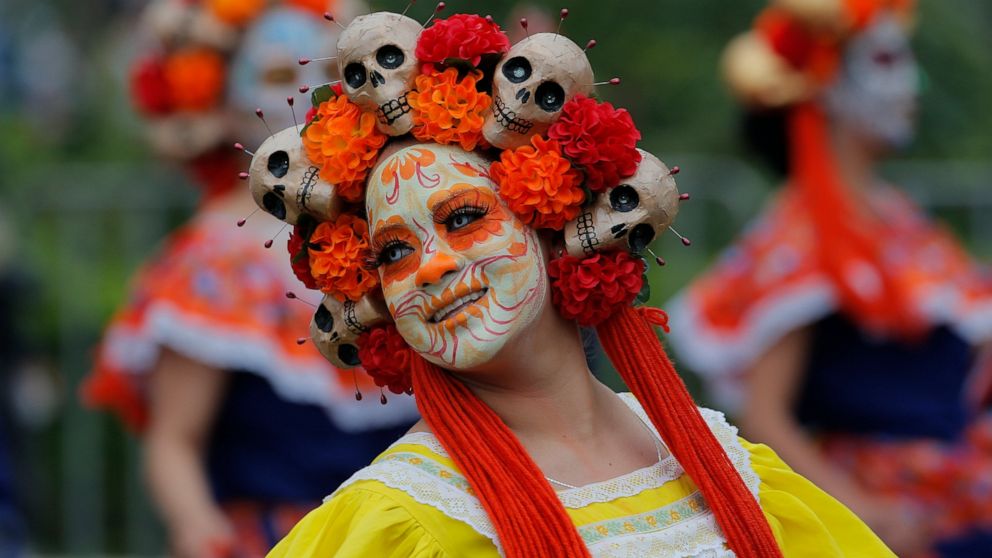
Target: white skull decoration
(336,326)
(284,183)
(377,63)
(636,212)
(533,82)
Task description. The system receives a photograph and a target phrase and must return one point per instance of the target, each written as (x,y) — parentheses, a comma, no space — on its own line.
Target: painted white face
(460,273)
(876,93)
(266,68)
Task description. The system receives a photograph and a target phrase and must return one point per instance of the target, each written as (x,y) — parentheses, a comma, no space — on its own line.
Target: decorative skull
(285,183)
(533,82)
(336,326)
(637,210)
(377,62)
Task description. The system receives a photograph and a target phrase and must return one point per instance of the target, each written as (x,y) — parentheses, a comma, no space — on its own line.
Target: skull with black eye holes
(336,325)
(285,184)
(533,82)
(628,216)
(377,63)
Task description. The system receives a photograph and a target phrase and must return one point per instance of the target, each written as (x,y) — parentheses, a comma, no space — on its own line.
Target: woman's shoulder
(410,501)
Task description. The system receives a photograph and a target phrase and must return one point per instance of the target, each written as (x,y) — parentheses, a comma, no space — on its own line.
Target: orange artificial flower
(345,143)
(337,252)
(447,110)
(195,78)
(236,12)
(538,184)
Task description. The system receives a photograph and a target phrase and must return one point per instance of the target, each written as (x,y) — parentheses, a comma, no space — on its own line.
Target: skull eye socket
(390,57)
(355,75)
(323,318)
(639,238)
(550,96)
(623,198)
(517,69)
(274,205)
(349,355)
(279,164)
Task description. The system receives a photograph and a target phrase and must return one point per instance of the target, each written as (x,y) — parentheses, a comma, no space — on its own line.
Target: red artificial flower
(311,114)
(149,90)
(462,37)
(590,290)
(299,257)
(386,357)
(599,139)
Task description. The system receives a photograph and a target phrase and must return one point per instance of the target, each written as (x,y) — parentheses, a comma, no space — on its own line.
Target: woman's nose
(435,268)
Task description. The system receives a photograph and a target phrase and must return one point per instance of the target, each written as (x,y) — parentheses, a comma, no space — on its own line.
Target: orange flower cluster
(538,184)
(195,78)
(236,12)
(447,110)
(344,141)
(337,250)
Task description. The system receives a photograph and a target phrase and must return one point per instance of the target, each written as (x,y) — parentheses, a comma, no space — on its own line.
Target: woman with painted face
(844,327)
(243,429)
(459,259)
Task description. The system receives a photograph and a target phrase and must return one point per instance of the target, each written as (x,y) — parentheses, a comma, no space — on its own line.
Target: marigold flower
(235,12)
(590,290)
(462,37)
(345,143)
(337,252)
(195,78)
(386,357)
(598,138)
(538,184)
(447,110)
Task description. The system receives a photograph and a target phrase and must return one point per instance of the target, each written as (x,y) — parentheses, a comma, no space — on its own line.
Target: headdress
(180,84)
(563,162)
(790,56)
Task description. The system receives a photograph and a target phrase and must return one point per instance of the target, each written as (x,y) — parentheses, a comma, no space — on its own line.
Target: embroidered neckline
(685,527)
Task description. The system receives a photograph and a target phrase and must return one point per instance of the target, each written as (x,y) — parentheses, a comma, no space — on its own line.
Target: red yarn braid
(637,354)
(530,521)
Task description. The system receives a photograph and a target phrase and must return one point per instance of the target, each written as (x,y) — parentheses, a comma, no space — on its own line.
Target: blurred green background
(82,202)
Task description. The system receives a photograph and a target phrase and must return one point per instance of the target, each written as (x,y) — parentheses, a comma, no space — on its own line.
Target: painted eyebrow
(456,194)
(387,228)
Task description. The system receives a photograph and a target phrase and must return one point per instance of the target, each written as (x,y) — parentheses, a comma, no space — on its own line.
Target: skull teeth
(585,230)
(306,187)
(351,319)
(391,111)
(508,119)
(457,305)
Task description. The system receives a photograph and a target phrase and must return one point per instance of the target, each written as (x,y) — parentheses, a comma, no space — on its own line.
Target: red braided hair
(530,521)
(637,354)
(529,518)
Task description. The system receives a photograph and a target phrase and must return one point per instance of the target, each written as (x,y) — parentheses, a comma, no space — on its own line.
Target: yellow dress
(413,502)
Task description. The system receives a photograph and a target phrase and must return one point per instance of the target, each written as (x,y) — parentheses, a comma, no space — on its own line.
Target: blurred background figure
(844,327)
(12,531)
(244,429)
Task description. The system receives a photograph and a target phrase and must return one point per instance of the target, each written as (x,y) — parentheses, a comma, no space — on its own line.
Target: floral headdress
(785,62)
(563,162)
(179,86)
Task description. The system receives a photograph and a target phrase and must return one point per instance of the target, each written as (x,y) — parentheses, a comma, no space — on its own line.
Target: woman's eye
(395,253)
(463,219)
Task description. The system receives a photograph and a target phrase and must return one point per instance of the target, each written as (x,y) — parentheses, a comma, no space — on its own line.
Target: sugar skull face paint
(876,93)
(461,275)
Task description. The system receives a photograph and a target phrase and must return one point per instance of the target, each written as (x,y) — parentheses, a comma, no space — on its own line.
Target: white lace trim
(698,537)
(303,380)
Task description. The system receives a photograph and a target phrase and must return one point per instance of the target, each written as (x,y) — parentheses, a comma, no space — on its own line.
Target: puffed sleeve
(806,521)
(358,523)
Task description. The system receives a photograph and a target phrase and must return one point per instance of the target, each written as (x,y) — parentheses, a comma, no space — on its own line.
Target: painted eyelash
(461,206)
(373,259)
